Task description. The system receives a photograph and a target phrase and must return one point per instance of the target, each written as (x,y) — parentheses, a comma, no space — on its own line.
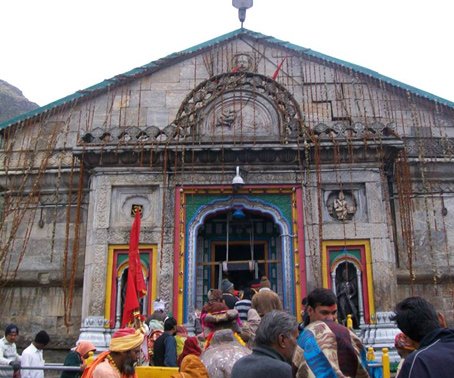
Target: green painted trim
(169,59)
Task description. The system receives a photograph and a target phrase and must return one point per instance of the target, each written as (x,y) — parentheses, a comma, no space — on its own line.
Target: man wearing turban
(119,361)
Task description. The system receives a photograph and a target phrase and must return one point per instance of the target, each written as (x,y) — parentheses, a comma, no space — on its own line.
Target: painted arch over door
(195,205)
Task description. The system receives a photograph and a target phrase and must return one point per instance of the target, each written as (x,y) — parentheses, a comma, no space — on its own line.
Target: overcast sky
(52,48)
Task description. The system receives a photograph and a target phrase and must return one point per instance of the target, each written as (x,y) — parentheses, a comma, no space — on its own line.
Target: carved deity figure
(347,297)
(341,206)
(341,209)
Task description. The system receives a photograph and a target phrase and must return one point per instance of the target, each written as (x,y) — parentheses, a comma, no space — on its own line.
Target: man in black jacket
(275,342)
(165,347)
(434,356)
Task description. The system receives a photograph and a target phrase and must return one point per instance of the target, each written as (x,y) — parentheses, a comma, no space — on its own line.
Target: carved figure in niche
(226,119)
(242,63)
(341,209)
(347,293)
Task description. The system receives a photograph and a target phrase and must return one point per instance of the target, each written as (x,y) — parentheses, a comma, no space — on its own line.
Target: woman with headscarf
(180,338)
(191,346)
(192,367)
(77,357)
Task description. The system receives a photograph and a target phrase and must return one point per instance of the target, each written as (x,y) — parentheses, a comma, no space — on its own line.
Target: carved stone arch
(238,106)
(245,203)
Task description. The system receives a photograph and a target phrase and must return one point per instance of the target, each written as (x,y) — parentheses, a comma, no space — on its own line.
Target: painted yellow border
(346,243)
(296,260)
(181,251)
(110,260)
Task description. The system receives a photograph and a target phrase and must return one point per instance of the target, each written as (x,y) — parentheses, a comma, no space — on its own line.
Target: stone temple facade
(248,156)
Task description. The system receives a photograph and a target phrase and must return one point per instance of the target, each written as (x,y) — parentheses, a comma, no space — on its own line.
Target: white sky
(52,48)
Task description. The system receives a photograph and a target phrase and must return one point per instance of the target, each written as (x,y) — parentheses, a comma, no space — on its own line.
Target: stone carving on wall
(124,197)
(102,207)
(341,205)
(252,105)
(243,62)
(322,131)
(98,279)
(226,118)
(347,130)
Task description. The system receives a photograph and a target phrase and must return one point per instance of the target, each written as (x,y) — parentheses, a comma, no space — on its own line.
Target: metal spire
(242,6)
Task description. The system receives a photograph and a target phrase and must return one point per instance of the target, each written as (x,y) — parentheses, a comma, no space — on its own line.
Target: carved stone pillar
(96,247)
(333,281)
(118,306)
(360,296)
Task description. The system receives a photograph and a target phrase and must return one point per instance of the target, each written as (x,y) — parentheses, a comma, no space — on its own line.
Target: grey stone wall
(324,92)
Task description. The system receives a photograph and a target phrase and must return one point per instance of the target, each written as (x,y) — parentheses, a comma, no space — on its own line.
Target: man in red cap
(119,361)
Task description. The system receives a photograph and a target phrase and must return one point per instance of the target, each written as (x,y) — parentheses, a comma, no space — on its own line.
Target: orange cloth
(83,347)
(88,373)
(192,367)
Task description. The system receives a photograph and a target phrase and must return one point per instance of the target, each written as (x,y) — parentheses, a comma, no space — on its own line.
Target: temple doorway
(240,235)
(241,245)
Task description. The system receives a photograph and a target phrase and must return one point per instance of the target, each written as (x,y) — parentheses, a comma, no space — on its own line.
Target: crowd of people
(250,336)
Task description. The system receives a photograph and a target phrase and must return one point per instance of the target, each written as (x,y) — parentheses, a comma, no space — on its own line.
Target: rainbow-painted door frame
(358,253)
(117,262)
(191,214)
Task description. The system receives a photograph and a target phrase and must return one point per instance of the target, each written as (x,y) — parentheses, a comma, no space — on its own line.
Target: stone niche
(344,204)
(123,199)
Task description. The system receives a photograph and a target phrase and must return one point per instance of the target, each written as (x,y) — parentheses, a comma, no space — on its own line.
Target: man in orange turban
(119,361)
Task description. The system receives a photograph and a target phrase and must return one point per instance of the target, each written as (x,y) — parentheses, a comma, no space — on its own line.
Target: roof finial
(242,6)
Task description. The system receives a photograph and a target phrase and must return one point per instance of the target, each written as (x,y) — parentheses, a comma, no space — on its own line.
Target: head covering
(83,347)
(42,338)
(266,301)
(226,285)
(191,346)
(10,329)
(192,367)
(265,282)
(221,317)
(159,305)
(401,341)
(182,331)
(214,295)
(125,339)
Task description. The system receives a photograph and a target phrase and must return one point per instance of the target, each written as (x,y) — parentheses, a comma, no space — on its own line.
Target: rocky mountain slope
(13,102)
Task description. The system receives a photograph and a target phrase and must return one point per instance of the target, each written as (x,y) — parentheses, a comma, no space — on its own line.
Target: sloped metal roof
(175,57)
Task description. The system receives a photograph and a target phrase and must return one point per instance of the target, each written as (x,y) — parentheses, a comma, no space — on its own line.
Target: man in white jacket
(33,356)
(8,351)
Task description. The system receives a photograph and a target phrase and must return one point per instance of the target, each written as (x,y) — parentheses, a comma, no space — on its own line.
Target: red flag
(278,69)
(135,285)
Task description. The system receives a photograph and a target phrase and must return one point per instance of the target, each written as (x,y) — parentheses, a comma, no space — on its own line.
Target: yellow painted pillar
(385,363)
